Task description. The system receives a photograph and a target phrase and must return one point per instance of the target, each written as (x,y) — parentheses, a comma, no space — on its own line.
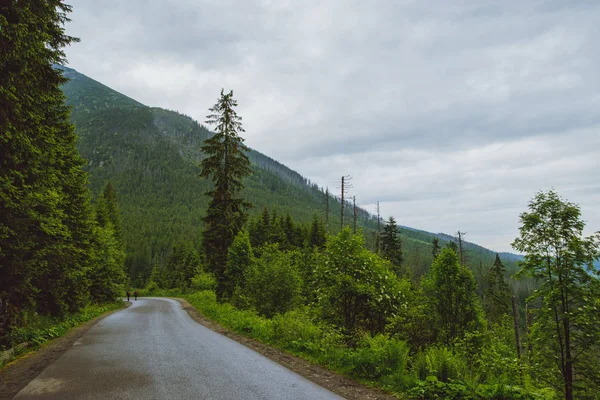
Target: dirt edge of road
(18,373)
(330,380)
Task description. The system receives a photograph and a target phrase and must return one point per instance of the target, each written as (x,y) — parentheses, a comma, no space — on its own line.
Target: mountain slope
(151,157)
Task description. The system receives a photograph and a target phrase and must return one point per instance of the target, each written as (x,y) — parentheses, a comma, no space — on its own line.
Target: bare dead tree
(327,210)
(346,185)
(378,238)
(460,246)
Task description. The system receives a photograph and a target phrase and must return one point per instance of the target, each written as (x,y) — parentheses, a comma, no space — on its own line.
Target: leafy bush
(379,356)
(440,362)
(432,388)
(204,281)
(296,331)
(356,290)
(273,284)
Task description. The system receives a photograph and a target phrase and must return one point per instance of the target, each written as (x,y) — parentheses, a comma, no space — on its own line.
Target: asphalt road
(154,350)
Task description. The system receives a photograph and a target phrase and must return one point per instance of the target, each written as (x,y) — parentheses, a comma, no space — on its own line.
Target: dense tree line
(273,267)
(57,251)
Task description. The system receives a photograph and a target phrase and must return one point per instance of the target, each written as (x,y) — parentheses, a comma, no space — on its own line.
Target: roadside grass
(378,361)
(40,330)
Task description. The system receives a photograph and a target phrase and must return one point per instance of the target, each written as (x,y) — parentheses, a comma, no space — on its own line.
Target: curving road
(154,350)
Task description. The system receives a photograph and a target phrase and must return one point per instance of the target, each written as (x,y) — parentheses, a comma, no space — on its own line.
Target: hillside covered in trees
(151,156)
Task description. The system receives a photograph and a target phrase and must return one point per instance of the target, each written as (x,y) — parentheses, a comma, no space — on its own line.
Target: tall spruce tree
(226,164)
(391,244)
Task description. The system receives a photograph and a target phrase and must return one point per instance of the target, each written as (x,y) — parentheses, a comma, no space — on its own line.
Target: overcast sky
(451,113)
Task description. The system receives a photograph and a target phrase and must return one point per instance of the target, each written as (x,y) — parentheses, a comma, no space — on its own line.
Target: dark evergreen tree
(226,164)
(391,244)
(497,294)
(278,233)
(452,246)
(46,224)
(106,274)
(112,208)
(290,231)
(317,236)
(436,247)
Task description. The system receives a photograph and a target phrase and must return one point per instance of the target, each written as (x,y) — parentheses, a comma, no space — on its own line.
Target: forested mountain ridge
(151,157)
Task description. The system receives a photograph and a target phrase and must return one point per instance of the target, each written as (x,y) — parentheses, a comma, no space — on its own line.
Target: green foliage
(497,294)
(44,329)
(226,164)
(272,283)
(497,361)
(378,356)
(204,281)
(356,289)
(441,362)
(107,277)
(181,265)
(435,247)
(458,390)
(239,258)
(566,325)
(414,322)
(49,242)
(450,291)
(391,245)
(437,372)
(317,237)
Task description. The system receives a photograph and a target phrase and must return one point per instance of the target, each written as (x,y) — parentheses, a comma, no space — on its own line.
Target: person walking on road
(128,294)
(135,294)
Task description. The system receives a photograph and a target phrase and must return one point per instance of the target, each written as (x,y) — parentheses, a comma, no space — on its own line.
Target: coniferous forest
(58,252)
(100,193)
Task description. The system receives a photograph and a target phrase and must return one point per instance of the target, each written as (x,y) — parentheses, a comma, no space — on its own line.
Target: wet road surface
(154,350)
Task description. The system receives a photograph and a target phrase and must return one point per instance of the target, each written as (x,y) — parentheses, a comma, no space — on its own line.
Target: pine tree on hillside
(391,244)
(317,236)
(452,246)
(226,164)
(435,247)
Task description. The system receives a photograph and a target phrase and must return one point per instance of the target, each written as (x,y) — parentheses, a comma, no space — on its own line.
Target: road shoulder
(18,373)
(330,380)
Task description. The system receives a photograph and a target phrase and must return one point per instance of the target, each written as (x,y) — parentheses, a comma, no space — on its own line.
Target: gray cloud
(452,114)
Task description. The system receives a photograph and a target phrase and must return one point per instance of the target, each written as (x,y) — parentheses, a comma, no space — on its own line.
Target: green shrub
(296,331)
(432,388)
(204,281)
(379,356)
(438,361)
(273,283)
